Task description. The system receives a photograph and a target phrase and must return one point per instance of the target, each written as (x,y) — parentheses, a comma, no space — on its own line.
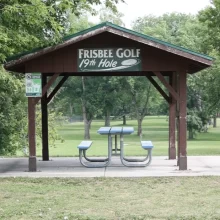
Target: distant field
(155,128)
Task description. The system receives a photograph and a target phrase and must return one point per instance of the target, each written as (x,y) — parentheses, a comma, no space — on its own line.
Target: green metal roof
(108,24)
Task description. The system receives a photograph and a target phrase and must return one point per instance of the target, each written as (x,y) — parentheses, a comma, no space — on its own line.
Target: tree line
(28,24)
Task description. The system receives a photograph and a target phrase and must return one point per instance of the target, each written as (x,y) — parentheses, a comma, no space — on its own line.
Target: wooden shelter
(147,57)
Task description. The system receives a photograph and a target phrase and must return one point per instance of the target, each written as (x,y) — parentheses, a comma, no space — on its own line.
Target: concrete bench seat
(84,145)
(146,145)
(128,130)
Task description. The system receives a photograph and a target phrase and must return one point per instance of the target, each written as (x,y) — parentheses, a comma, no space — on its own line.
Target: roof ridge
(109,24)
(68,37)
(160,41)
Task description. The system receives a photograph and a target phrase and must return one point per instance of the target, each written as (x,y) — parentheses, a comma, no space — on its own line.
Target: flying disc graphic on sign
(33,84)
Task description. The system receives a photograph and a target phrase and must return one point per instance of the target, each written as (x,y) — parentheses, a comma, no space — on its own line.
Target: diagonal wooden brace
(56,88)
(167,85)
(47,86)
(159,89)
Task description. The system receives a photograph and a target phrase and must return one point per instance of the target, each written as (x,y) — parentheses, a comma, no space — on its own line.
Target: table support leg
(93,160)
(116,143)
(121,141)
(92,163)
(147,159)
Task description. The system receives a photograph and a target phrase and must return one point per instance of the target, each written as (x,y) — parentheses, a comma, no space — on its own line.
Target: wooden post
(44,118)
(182,122)
(177,119)
(172,118)
(31,135)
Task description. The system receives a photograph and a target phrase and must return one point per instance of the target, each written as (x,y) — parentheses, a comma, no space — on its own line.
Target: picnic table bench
(129,162)
(83,147)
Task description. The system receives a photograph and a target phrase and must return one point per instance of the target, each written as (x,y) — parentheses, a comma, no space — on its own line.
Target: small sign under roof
(33,85)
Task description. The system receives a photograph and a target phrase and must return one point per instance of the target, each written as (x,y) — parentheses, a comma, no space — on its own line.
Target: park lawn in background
(155,128)
(110,198)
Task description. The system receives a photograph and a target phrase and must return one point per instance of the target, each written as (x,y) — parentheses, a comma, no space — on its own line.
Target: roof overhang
(201,59)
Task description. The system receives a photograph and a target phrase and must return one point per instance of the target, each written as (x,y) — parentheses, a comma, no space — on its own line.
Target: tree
(87,98)
(186,31)
(194,124)
(115,17)
(77,23)
(124,105)
(109,88)
(36,23)
(177,28)
(210,88)
(12,113)
(24,25)
(141,92)
(209,17)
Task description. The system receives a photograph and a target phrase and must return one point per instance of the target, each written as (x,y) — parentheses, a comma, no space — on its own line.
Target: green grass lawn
(154,129)
(173,198)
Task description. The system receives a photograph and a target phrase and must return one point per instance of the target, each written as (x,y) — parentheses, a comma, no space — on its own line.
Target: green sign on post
(109,59)
(33,84)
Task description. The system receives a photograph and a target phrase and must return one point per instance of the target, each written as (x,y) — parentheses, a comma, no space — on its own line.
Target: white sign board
(109,59)
(33,85)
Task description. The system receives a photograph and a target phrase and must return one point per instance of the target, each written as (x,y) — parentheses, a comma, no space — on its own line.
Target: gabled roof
(115,29)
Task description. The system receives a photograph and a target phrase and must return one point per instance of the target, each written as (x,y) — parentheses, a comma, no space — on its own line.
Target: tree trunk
(87,123)
(191,134)
(87,126)
(124,120)
(214,122)
(86,131)
(138,116)
(139,120)
(71,110)
(107,118)
(139,133)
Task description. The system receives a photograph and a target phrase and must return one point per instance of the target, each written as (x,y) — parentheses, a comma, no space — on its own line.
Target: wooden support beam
(182,121)
(44,122)
(56,89)
(177,118)
(167,85)
(159,89)
(47,86)
(172,121)
(31,135)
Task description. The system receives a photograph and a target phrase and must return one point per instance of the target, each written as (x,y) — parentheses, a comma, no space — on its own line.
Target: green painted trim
(108,24)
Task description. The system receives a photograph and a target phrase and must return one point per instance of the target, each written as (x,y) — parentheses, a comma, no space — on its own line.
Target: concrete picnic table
(146,145)
(109,131)
(116,131)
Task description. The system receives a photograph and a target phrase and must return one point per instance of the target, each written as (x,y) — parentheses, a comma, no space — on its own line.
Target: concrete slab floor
(71,167)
